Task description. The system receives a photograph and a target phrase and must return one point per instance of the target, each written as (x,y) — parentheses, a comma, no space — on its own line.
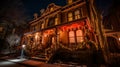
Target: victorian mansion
(71,26)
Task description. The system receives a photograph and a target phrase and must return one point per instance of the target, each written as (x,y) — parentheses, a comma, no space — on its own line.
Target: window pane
(77,14)
(71,34)
(70,19)
(72,37)
(42,25)
(70,16)
(77,17)
(79,39)
(72,40)
(56,21)
(79,35)
(51,9)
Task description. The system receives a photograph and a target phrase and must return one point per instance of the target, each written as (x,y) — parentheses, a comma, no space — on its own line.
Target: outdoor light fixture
(22,51)
(23,46)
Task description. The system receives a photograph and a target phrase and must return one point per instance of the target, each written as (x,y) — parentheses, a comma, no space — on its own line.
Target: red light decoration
(77,25)
(72,26)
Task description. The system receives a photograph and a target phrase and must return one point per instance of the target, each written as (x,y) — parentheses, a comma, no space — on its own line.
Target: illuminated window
(77,14)
(70,16)
(42,25)
(51,9)
(53,40)
(71,37)
(70,1)
(79,35)
(56,21)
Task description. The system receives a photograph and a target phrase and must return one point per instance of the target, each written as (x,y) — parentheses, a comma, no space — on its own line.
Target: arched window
(70,16)
(71,37)
(77,14)
(79,36)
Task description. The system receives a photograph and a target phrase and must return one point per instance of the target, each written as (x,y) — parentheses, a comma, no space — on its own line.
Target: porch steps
(39,58)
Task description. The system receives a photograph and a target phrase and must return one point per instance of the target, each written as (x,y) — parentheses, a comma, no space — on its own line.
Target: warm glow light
(23,46)
(119,38)
(73,26)
(36,36)
(17,60)
(45,35)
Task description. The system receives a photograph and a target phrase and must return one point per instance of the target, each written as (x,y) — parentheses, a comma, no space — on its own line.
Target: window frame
(75,37)
(70,16)
(71,37)
(77,14)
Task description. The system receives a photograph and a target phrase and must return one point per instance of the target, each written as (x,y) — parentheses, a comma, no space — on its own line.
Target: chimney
(35,15)
(41,11)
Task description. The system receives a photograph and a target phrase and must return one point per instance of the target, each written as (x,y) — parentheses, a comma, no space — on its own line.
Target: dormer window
(51,9)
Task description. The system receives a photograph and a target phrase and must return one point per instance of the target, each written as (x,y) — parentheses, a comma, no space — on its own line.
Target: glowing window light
(36,36)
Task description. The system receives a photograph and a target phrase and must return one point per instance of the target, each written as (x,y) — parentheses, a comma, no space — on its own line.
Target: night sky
(34,6)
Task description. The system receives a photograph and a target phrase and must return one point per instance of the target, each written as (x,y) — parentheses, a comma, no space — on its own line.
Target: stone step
(39,59)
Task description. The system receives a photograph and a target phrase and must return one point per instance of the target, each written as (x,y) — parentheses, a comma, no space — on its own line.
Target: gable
(51,8)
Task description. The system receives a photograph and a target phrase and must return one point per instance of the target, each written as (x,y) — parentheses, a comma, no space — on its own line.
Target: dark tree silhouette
(13,18)
(13,14)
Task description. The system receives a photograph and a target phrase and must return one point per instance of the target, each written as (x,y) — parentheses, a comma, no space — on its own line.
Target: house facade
(71,26)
